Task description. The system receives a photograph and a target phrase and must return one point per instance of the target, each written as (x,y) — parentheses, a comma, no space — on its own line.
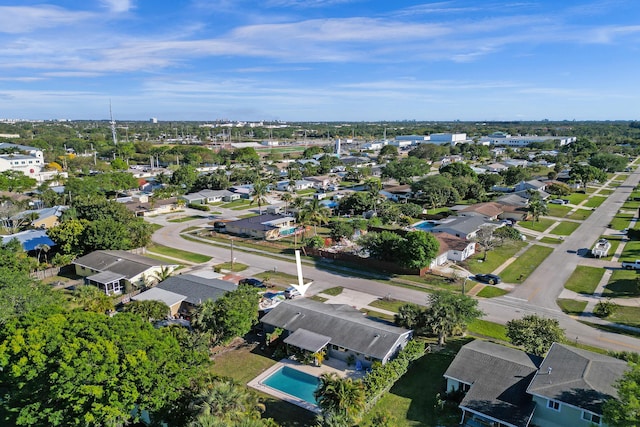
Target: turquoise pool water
(294,382)
(425,225)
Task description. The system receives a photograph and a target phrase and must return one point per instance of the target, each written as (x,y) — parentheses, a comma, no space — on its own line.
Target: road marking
(516,298)
(636,348)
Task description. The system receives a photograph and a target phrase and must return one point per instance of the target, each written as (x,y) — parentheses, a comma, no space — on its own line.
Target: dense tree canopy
(415,249)
(82,368)
(625,410)
(534,333)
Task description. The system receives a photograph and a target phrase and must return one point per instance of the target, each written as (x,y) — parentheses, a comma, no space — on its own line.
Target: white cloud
(19,19)
(118,6)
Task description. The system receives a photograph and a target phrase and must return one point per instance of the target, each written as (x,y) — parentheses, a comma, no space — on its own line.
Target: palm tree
(43,247)
(163,274)
(259,193)
(286,198)
(338,397)
(374,186)
(313,212)
(227,401)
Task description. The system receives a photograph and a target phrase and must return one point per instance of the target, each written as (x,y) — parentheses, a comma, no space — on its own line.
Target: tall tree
(624,411)
(259,193)
(314,213)
(448,313)
(340,397)
(534,333)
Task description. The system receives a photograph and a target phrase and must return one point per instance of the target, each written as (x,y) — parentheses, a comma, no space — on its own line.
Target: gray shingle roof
(346,326)
(578,377)
(307,340)
(462,224)
(258,222)
(122,262)
(157,294)
(499,377)
(197,289)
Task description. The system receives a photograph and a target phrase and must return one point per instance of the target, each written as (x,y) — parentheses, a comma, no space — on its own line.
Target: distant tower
(114,135)
(338,147)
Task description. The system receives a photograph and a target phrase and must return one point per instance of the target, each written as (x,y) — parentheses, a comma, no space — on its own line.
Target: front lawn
(551,240)
(571,307)
(622,284)
(388,304)
(594,202)
(487,329)
(521,268)
(624,315)
(541,225)
(584,279)
(631,251)
(333,291)
(177,253)
(580,214)
(621,221)
(565,228)
(412,400)
(186,218)
(576,198)
(491,292)
(559,211)
(495,258)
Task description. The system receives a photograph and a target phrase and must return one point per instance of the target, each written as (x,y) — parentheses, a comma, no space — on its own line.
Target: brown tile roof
(490,209)
(450,242)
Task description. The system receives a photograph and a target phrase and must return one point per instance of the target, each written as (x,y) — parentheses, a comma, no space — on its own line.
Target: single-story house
(184,292)
(532,184)
(297,185)
(464,227)
(205,196)
(452,248)
(495,379)
(508,387)
(322,181)
(571,386)
(111,271)
(266,226)
(495,167)
(31,240)
(44,218)
(341,330)
(489,210)
(157,207)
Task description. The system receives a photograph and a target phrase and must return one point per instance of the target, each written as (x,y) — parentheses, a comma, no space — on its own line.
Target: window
(588,416)
(465,387)
(552,404)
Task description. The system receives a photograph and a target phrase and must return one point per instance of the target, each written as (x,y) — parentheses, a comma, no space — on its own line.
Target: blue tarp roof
(30,239)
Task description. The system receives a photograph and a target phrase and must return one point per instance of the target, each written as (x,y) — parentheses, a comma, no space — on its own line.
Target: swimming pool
(293,382)
(425,225)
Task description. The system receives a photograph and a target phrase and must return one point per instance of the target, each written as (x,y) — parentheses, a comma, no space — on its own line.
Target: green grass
(565,228)
(584,279)
(571,307)
(621,221)
(558,210)
(247,215)
(594,202)
(580,214)
(487,329)
(160,258)
(495,258)
(491,292)
(186,218)
(631,251)
(377,315)
(227,266)
(624,315)
(319,298)
(521,268)
(541,225)
(610,328)
(389,305)
(576,198)
(178,253)
(622,284)
(333,291)
(244,203)
(605,192)
(411,401)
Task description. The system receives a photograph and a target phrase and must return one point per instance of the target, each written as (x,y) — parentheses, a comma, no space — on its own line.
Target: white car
(291,293)
(559,201)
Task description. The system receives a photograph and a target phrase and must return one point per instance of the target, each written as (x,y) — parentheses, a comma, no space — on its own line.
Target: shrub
(605,308)
(198,206)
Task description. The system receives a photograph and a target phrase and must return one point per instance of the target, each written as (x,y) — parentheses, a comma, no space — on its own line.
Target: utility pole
(231,254)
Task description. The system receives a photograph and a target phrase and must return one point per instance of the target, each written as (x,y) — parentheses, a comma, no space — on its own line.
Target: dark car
(491,279)
(256,283)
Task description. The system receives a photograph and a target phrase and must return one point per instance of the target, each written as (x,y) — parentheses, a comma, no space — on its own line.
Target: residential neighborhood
(437,264)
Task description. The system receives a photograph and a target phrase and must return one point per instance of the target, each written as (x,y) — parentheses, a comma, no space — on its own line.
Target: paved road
(543,287)
(537,295)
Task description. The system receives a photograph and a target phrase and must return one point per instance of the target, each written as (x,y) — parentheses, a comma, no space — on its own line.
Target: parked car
(631,265)
(559,201)
(491,279)
(251,281)
(291,293)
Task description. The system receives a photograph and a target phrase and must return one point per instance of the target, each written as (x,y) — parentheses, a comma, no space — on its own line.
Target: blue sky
(320,60)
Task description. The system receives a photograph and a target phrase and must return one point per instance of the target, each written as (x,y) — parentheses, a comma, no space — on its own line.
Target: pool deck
(332,365)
